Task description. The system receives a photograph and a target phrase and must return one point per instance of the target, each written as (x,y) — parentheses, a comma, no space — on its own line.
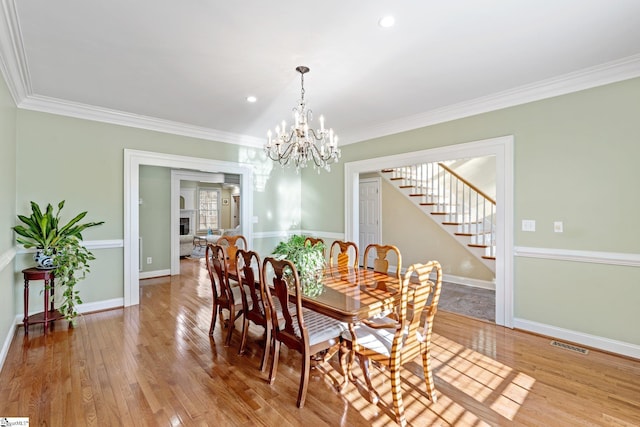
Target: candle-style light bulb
(321,123)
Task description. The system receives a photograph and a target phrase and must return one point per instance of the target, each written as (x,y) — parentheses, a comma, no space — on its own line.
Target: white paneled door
(369,210)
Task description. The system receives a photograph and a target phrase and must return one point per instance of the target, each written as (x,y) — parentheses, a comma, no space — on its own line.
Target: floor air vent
(569,347)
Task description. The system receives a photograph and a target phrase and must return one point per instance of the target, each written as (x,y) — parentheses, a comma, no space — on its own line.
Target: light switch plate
(528,225)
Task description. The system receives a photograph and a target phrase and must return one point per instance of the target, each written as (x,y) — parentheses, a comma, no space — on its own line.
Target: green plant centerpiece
(58,247)
(308,259)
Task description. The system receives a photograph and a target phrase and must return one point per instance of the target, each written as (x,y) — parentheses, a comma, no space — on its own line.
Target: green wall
(155,217)
(82,162)
(7,209)
(575,160)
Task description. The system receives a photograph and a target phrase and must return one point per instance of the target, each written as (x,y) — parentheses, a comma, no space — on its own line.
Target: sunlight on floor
(487,383)
(484,379)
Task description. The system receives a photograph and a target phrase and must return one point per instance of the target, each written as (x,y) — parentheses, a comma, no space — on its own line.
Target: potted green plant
(58,247)
(308,259)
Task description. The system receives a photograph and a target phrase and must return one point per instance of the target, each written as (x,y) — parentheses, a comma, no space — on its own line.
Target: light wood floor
(154,365)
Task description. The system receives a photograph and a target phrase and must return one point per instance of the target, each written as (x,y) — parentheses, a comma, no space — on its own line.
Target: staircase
(461,209)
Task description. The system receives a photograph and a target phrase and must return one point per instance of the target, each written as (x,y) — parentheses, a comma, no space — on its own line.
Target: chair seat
(320,327)
(237,296)
(378,340)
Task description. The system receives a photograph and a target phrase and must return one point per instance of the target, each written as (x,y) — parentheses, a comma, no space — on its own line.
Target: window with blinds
(208,209)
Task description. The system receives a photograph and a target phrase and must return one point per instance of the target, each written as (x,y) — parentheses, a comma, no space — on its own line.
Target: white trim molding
(470,282)
(84,308)
(89,112)
(89,244)
(286,233)
(7,257)
(14,67)
(156,273)
(610,72)
(7,342)
(133,159)
(502,149)
(594,341)
(591,257)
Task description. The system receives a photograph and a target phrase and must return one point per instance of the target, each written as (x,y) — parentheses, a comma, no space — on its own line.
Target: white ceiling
(187,66)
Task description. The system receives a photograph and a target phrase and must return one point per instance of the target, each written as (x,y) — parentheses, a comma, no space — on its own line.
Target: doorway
(502,149)
(133,159)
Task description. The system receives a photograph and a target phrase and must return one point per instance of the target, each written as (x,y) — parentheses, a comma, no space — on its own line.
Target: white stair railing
(457,201)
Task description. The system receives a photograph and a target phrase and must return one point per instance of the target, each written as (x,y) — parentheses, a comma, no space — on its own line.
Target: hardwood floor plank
(155,365)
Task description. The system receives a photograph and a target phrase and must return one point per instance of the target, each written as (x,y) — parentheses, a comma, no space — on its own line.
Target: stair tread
(463,226)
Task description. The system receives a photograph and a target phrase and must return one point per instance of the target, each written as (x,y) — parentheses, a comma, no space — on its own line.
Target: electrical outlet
(149,260)
(557,226)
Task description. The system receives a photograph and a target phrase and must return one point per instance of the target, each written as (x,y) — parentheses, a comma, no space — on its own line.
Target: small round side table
(50,314)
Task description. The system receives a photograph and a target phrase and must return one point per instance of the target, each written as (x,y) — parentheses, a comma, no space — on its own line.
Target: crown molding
(14,67)
(13,61)
(105,115)
(610,72)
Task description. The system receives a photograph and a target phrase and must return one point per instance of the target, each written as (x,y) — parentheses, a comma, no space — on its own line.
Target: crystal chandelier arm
(321,135)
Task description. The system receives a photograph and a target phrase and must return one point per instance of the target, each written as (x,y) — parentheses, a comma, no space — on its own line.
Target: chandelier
(301,143)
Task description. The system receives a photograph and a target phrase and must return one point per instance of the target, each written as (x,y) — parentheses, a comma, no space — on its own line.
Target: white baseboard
(7,343)
(458,280)
(101,305)
(467,281)
(606,344)
(156,273)
(89,307)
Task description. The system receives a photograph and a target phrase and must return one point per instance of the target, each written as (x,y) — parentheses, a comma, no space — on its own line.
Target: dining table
(351,294)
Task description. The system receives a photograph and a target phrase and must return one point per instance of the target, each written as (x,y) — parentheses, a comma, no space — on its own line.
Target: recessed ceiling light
(251,99)
(387,21)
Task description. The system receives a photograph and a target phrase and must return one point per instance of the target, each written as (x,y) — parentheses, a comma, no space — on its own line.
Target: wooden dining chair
(224,295)
(231,245)
(254,306)
(343,254)
(380,262)
(307,332)
(391,342)
(312,241)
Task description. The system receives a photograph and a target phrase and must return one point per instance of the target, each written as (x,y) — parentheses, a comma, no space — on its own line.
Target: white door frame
(502,148)
(133,159)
